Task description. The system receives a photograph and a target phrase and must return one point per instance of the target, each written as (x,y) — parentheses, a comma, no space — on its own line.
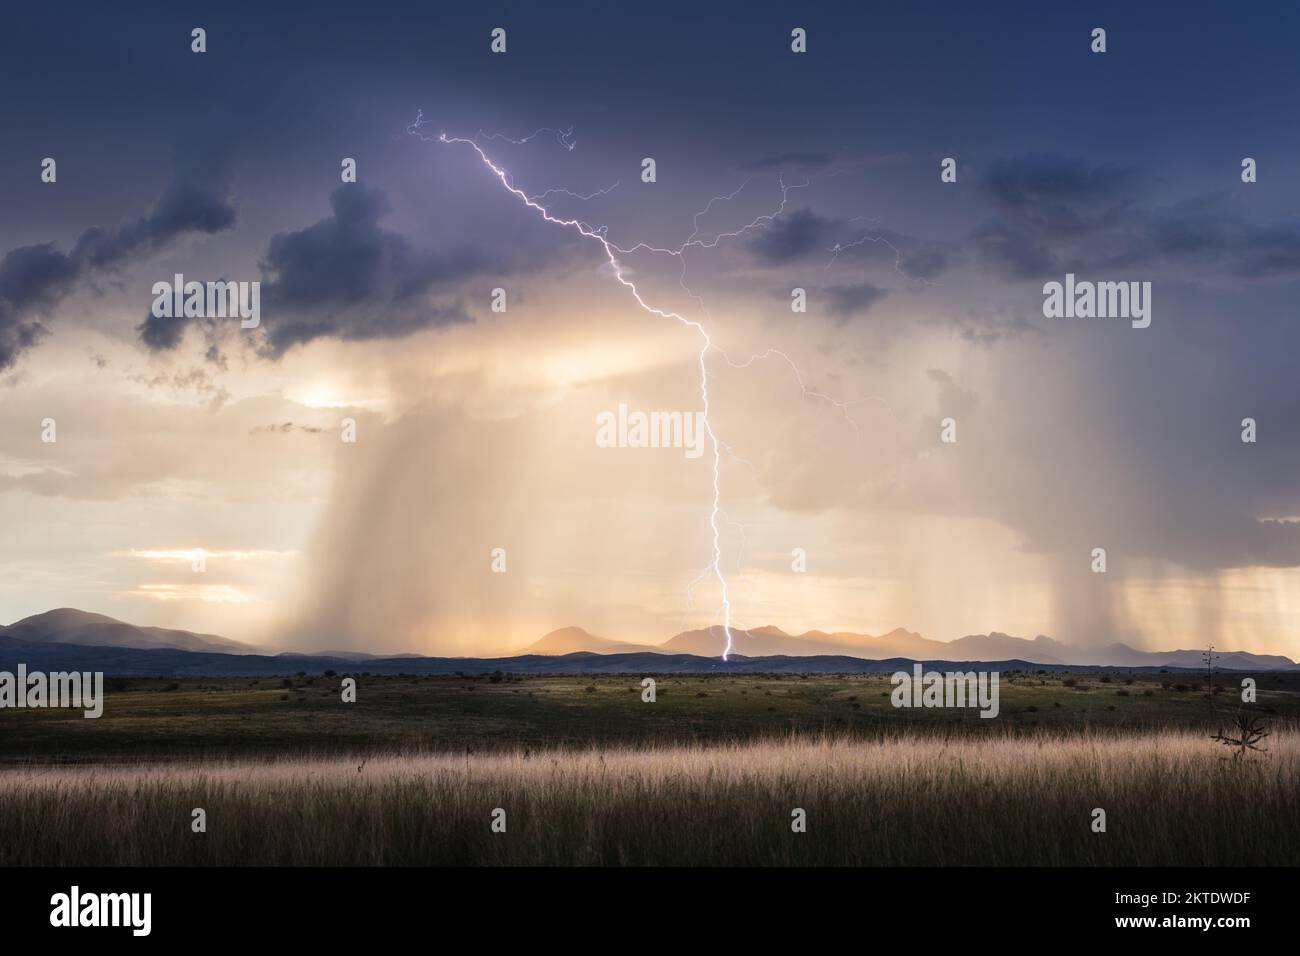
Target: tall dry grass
(1170,797)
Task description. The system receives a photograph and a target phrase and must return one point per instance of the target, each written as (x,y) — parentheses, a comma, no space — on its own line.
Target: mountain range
(900,643)
(123,648)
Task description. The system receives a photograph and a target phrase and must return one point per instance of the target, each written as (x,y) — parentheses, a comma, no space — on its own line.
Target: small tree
(1250,732)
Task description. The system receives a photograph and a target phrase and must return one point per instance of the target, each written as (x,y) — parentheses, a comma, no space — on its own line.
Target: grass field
(709,773)
(209,718)
(1170,798)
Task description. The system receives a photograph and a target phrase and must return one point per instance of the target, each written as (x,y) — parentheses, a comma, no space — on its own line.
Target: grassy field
(710,773)
(214,718)
(1170,798)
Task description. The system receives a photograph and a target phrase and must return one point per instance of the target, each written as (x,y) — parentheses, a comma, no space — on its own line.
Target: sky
(185,438)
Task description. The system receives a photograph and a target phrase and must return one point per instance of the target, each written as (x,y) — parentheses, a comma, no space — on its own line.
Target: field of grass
(168,719)
(948,799)
(710,773)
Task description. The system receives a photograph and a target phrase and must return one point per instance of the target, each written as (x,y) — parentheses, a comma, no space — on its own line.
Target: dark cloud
(794,237)
(804,235)
(346,277)
(923,263)
(16,335)
(848,301)
(161,333)
(1057,195)
(1221,240)
(1012,253)
(1056,215)
(35,279)
(192,204)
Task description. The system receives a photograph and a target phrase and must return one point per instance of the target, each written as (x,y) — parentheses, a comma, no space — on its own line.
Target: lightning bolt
(612,253)
(562,136)
(572,195)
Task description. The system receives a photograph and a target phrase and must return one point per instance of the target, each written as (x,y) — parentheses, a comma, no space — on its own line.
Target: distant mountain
(573,649)
(67,625)
(764,641)
(1041,650)
(1125,656)
(771,641)
(569,640)
(166,662)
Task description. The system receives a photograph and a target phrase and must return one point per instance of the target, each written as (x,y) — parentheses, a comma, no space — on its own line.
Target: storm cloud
(34,279)
(1054,214)
(347,277)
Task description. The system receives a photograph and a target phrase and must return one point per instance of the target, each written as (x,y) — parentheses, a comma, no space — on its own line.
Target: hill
(68,625)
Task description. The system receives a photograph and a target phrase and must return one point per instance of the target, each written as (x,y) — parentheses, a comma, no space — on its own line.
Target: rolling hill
(68,625)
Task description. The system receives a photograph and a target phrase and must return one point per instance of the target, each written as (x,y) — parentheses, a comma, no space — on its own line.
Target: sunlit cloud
(207,593)
(201,555)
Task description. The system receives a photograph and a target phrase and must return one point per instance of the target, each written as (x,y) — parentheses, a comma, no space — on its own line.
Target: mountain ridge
(772,641)
(70,626)
(117,661)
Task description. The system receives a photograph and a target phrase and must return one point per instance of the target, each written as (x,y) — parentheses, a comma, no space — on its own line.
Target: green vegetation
(209,717)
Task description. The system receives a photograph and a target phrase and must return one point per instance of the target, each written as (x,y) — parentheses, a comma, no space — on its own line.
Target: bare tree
(1250,731)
